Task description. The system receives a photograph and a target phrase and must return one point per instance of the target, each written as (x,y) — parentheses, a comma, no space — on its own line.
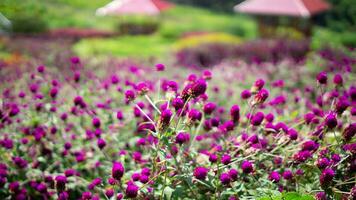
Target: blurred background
(191,33)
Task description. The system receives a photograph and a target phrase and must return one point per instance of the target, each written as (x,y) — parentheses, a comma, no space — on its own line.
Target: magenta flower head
(96,122)
(349,132)
(142,88)
(41,69)
(274,177)
(341,105)
(117,170)
(53,92)
(131,190)
(338,79)
(213,158)
(257,119)
(164,120)
(326,177)
(288,175)
(130,95)
(209,108)
(293,134)
(321,196)
(207,74)
(258,85)
(75,60)
(160,67)
(246,167)
(79,101)
(225,159)
(200,173)
(61,182)
(235,113)
(182,138)
(323,163)
(246,94)
(322,78)
(177,103)
(233,174)
(101,143)
(260,97)
(225,178)
(194,89)
(331,121)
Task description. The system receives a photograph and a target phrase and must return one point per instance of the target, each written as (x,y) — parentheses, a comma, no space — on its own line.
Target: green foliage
(342,16)
(26,16)
(131,46)
(288,196)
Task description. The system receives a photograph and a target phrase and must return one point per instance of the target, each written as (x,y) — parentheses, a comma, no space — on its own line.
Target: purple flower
(209,108)
(160,67)
(213,158)
(288,175)
(274,177)
(96,122)
(61,182)
(164,120)
(233,174)
(131,190)
(257,119)
(246,167)
(349,132)
(326,177)
(130,95)
(235,113)
(245,94)
(182,137)
(338,79)
(322,78)
(117,170)
(101,143)
(200,173)
(321,196)
(225,159)
(260,97)
(225,178)
(322,163)
(331,121)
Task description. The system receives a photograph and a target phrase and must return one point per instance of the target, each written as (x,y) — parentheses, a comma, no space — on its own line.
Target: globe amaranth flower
(235,113)
(260,97)
(177,103)
(326,177)
(117,170)
(233,174)
(61,182)
(109,192)
(322,163)
(142,88)
(131,190)
(194,89)
(287,174)
(349,132)
(101,143)
(322,78)
(245,94)
(320,196)
(129,95)
(96,122)
(258,85)
(293,134)
(331,121)
(182,137)
(341,105)
(225,178)
(338,79)
(160,67)
(200,173)
(257,119)
(225,159)
(213,158)
(207,74)
(246,167)
(209,108)
(274,177)
(164,120)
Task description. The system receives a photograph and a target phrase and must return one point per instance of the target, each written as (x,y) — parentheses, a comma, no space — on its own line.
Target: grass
(125,46)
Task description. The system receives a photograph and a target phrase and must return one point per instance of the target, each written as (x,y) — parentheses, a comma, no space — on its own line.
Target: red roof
(297,8)
(162,5)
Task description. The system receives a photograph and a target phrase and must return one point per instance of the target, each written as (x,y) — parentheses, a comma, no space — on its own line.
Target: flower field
(124,130)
